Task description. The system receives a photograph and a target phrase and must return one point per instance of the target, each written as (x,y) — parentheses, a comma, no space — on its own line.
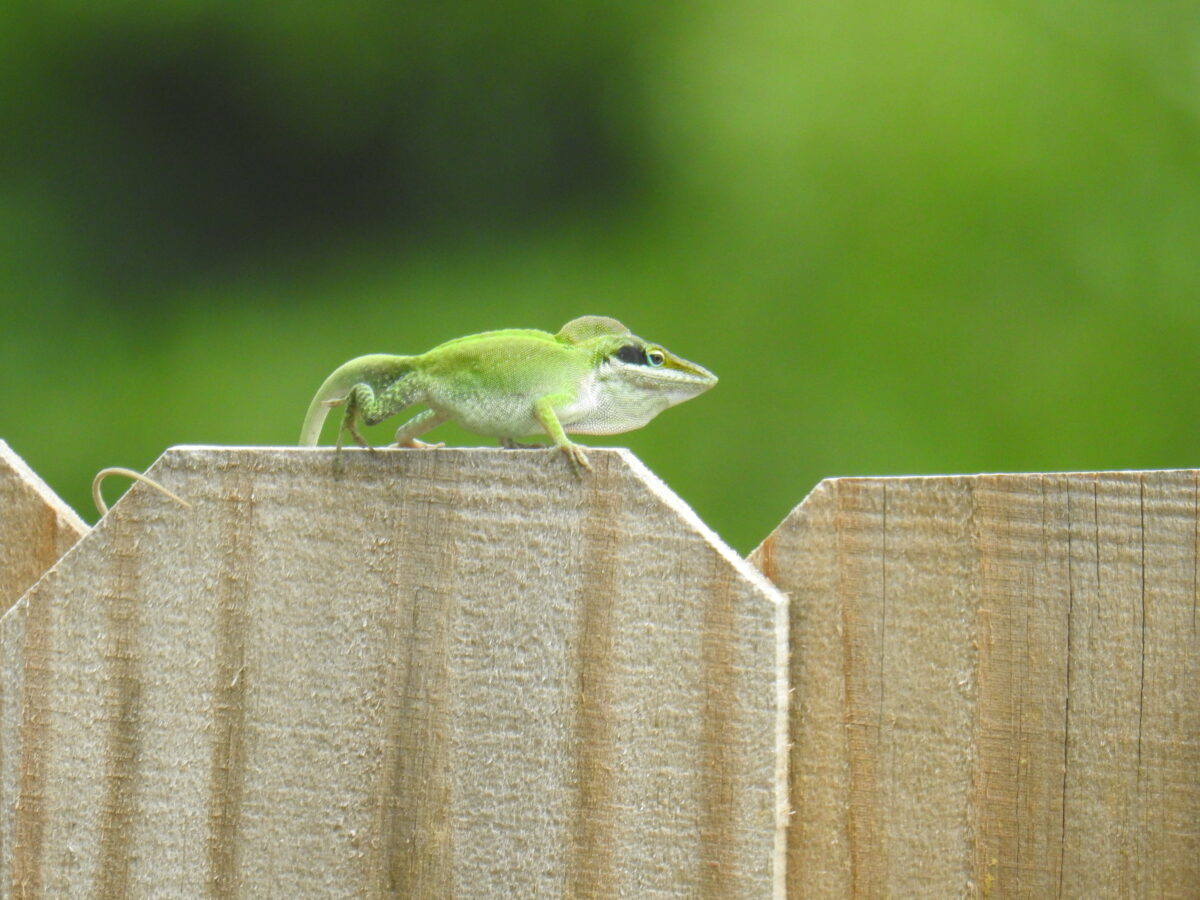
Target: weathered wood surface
(434,673)
(36,527)
(996,686)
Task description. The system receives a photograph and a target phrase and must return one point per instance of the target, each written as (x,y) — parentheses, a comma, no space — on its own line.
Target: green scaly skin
(593,377)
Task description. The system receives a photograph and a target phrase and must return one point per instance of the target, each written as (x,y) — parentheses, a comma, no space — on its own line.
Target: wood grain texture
(436,673)
(995,685)
(36,527)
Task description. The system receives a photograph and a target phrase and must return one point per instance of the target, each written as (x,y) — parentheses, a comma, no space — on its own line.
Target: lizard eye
(655,357)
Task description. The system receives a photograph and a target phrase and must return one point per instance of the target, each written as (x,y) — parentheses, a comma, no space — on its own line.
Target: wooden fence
(470,673)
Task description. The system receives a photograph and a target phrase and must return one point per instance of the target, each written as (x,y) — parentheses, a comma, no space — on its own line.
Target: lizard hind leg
(406,434)
(364,405)
(353,401)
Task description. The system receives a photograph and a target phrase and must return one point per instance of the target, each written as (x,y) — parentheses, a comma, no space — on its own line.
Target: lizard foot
(419,445)
(358,438)
(577,456)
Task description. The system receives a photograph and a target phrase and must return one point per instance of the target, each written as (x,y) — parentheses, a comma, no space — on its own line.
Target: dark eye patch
(631,353)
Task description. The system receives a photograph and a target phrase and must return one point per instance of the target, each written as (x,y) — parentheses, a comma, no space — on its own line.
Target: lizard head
(635,379)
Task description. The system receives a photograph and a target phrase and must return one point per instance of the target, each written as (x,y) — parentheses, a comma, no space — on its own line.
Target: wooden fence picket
(409,673)
(996,685)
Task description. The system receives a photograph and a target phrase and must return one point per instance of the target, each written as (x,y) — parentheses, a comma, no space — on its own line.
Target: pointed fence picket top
(36,527)
(996,685)
(405,673)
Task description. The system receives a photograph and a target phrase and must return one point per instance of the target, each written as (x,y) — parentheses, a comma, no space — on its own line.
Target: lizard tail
(377,371)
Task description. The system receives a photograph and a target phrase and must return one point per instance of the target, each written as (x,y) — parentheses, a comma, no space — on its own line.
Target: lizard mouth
(682,378)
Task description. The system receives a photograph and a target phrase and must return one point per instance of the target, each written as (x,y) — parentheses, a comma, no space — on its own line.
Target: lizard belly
(494,416)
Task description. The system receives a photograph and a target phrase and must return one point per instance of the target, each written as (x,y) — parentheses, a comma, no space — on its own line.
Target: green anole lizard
(593,377)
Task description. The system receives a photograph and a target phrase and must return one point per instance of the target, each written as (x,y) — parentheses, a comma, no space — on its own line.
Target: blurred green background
(910,238)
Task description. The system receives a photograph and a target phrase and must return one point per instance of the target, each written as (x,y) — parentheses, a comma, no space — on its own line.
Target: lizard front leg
(544,410)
